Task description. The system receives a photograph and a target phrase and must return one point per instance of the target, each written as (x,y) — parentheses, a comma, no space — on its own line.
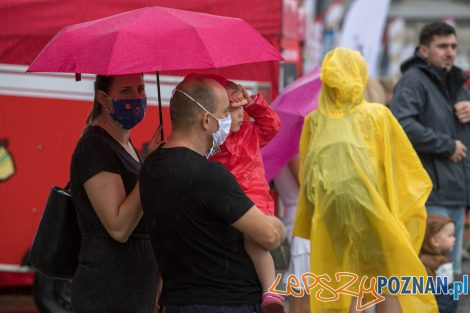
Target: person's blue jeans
(457,215)
(447,304)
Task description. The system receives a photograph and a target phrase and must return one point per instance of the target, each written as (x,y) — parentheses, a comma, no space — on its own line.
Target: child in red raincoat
(241,154)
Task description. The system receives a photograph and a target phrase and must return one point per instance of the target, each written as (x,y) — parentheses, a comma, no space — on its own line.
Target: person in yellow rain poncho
(362,193)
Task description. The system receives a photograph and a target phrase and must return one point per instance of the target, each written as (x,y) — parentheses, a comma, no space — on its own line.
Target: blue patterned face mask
(128,112)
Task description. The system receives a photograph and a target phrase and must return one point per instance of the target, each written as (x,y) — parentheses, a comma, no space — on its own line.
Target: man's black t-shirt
(189,205)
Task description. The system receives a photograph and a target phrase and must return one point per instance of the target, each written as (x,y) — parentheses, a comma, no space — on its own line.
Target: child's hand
(248,98)
(237,101)
(245,95)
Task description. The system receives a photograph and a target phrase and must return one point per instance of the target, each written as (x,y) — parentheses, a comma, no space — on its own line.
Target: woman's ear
(104,99)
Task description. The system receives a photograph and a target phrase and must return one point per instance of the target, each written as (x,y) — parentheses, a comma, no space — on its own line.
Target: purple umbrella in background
(294,103)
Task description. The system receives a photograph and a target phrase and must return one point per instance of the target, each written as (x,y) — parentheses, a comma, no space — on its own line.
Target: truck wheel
(52,295)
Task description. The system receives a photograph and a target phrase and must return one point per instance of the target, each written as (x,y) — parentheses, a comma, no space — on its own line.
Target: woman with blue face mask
(117,271)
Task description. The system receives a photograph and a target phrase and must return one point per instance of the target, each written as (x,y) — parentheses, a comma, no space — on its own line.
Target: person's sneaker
(272,303)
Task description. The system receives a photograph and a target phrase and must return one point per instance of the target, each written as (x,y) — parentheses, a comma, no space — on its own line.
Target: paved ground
(17,304)
(17,301)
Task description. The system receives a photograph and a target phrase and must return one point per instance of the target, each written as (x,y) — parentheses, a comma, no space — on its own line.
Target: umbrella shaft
(160,104)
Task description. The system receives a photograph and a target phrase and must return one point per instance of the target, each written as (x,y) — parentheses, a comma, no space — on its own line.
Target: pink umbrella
(297,100)
(153,39)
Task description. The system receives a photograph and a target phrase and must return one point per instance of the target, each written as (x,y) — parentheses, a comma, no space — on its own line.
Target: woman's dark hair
(435,29)
(101,83)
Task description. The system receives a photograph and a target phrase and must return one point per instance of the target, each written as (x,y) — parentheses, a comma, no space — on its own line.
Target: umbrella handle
(160,104)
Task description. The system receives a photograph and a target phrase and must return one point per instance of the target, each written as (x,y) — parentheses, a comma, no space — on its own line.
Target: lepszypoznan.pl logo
(404,285)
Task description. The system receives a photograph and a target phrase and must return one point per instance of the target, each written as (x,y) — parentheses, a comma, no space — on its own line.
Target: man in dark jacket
(432,104)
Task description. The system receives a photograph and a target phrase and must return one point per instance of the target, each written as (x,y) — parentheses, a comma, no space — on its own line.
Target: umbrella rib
(198,37)
(111,53)
(127,23)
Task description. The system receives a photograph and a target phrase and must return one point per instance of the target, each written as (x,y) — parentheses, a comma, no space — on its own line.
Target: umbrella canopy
(294,103)
(153,39)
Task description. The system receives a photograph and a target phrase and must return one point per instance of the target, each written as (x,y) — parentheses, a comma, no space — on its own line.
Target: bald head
(184,112)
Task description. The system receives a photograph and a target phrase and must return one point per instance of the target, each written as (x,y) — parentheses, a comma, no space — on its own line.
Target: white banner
(363,29)
(396,46)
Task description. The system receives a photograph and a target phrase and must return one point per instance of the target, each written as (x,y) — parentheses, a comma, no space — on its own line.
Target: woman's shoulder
(92,140)
(93,135)
(96,152)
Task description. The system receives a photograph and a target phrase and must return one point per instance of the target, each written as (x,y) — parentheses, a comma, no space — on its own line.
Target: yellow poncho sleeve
(407,182)
(304,207)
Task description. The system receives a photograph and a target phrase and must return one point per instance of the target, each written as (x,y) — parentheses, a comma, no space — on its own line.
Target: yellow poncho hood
(344,79)
(362,187)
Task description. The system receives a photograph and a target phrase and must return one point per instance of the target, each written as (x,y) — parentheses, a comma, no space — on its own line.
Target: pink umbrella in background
(153,39)
(294,103)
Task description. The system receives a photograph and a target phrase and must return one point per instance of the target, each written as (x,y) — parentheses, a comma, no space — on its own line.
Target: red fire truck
(42,115)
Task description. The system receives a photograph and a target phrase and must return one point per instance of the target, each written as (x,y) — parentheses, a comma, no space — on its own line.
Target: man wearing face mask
(196,212)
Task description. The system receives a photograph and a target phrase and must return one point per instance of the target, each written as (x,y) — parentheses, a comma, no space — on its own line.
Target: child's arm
(266,120)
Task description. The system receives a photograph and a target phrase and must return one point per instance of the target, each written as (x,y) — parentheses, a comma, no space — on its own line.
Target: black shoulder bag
(56,246)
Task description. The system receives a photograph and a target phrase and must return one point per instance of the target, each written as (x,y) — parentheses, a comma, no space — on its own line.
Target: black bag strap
(67,187)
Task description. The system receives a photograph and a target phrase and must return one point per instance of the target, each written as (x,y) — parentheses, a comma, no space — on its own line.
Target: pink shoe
(272,303)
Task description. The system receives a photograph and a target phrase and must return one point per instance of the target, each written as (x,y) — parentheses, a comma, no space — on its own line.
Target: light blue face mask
(218,138)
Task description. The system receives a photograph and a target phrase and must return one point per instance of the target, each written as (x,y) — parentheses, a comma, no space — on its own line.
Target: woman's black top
(111,276)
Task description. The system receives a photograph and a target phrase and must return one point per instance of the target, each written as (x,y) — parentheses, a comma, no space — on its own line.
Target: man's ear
(205,121)
(424,50)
